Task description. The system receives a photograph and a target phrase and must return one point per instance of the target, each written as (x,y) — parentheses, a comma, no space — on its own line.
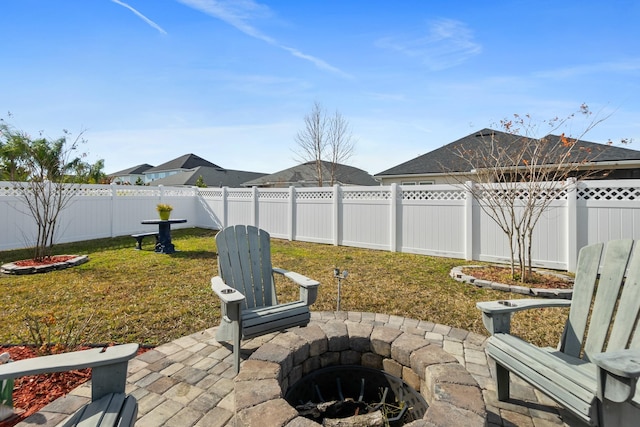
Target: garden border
(457,274)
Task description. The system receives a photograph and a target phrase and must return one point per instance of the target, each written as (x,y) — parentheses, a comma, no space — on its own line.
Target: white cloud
(141,16)
(240,13)
(448,43)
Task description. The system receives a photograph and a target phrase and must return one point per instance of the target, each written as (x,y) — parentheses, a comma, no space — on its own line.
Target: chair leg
(502,383)
(236,346)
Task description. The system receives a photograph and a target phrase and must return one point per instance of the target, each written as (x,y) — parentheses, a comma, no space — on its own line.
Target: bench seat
(140,236)
(264,320)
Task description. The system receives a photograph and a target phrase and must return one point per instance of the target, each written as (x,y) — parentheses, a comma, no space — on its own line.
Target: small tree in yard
(47,186)
(324,139)
(518,176)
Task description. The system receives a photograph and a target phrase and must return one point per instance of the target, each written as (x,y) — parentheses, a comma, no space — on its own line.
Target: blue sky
(231,81)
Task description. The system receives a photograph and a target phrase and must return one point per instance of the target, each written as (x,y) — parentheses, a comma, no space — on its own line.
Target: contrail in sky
(141,16)
(239,14)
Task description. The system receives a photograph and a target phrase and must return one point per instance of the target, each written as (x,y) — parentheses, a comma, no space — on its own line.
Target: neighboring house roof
(447,159)
(188,161)
(212,177)
(305,175)
(136,170)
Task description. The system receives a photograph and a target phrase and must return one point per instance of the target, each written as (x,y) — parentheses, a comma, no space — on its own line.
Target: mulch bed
(503,275)
(32,393)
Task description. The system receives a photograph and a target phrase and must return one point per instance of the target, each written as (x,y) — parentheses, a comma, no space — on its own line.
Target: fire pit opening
(356,393)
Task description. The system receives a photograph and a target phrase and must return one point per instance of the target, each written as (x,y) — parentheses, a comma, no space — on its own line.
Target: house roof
(136,170)
(187,161)
(305,174)
(212,176)
(447,159)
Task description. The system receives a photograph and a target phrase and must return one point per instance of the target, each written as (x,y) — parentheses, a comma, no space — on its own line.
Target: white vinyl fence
(441,220)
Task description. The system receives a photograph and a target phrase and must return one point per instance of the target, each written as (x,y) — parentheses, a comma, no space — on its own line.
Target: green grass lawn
(124,295)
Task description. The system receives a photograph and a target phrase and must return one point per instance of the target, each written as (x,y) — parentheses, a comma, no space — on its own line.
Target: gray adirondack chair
(594,370)
(109,405)
(247,291)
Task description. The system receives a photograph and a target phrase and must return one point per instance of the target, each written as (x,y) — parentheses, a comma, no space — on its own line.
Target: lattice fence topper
(240,194)
(178,191)
(366,194)
(273,195)
(92,191)
(433,194)
(215,193)
(618,194)
(9,191)
(137,190)
(314,195)
(523,194)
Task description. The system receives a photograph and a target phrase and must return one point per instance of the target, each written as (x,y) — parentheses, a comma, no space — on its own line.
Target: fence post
(225,208)
(572,227)
(113,208)
(337,194)
(393,218)
(292,212)
(255,212)
(468,221)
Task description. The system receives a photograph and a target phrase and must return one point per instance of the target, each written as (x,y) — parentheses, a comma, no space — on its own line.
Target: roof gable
(187,161)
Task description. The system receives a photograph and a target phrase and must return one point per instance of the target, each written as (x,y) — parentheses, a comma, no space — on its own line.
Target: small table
(164,245)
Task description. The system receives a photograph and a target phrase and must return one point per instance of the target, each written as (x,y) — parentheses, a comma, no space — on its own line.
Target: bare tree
(340,143)
(518,175)
(323,140)
(48,186)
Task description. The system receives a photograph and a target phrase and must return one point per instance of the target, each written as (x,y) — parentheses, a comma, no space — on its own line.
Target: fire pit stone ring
(453,396)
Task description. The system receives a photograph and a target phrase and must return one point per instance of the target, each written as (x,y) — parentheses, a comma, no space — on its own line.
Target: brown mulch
(32,393)
(503,275)
(48,260)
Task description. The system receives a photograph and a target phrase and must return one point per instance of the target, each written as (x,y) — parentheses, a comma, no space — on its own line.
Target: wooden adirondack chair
(109,406)
(247,291)
(594,371)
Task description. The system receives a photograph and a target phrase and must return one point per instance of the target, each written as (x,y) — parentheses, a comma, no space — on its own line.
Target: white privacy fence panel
(441,220)
(365,217)
(314,218)
(275,211)
(240,206)
(607,210)
(432,220)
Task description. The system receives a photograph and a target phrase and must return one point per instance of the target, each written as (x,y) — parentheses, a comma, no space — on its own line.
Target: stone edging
(457,274)
(453,395)
(12,268)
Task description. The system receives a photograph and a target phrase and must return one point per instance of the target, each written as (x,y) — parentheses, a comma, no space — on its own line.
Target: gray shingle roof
(213,177)
(445,159)
(136,170)
(187,161)
(305,175)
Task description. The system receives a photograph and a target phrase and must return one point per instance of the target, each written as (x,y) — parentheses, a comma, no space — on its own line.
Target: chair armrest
(618,372)
(226,293)
(308,287)
(91,358)
(301,280)
(108,373)
(496,315)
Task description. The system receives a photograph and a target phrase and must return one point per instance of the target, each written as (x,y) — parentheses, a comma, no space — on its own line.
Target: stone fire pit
(453,396)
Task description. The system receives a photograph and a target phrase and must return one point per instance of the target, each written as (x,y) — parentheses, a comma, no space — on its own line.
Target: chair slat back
(605,300)
(244,263)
